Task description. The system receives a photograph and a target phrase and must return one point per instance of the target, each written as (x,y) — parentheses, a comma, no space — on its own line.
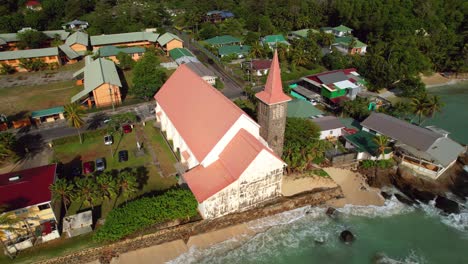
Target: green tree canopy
(148,76)
(31,39)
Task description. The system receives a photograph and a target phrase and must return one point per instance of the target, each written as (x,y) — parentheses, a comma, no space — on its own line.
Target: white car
(108,140)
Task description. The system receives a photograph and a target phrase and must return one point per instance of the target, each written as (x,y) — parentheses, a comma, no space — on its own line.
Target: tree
(107,186)
(434,105)
(86,191)
(125,61)
(7,69)
(8,144)
(420,107)
(299,57)
(8,223)
(382,144)
(116,121)
(208,30)
(74,114)
(57,41)
(148,76)
(62,190)
(32,64)
(127,184)
(401,110)
(411,86)
(219,84)
(31,39)
(256,50)
(357,109)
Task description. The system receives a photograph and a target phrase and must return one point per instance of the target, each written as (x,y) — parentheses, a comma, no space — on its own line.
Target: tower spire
(273,92)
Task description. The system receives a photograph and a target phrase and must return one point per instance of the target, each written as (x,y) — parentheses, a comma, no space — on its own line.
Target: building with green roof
(303,109)
(182,55)
(124,39)
(238,50)
(111,52)
(341,31)
(302,33)
(364,144)
(223,40)
(47,55)
(48,115)
(101,83)
(78,38)
(350,44)
(273,40)
(169,41)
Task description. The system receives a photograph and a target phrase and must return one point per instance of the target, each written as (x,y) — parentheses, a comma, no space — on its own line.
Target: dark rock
(447,205)
(423,196)
(330,211)
(346,236)
(386,195)
(404,200)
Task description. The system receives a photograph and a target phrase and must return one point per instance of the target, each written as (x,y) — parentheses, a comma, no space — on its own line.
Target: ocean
(393,233)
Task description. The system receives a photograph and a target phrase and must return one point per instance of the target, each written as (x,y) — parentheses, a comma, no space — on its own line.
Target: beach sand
(355,189)
(293,185)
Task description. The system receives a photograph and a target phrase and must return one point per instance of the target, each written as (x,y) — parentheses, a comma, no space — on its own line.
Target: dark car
(127,129)
(123,155)
(76,170)
(88,167)
(100,164)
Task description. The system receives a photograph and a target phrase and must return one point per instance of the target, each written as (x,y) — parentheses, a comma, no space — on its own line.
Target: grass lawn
(51,249)
(73,153)
(29,98)
(287,75)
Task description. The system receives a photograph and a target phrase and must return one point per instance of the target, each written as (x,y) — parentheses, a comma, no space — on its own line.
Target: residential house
(302,109)
(339,31)
(273,40)
(330,127)
(218,16)
(336,86)
(48,115)
(182,55)
(428,151)
(202,71)
(76,25)
(27,196)
(223,40)
(33,5)
(101,83)
(111,52)
(131,39)
(302,33)
(260,67)
(364,144)
(9,41)
(169,41)
(78,42)
(238,51)
(350,45)
(47,55)
(223,159)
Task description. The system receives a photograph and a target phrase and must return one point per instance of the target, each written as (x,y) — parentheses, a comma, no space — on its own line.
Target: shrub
(7,69)
(145,212)
(385,164)
(367,164)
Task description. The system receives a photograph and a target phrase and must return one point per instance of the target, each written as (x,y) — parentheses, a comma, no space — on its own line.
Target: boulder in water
(423,196)
(404,200)
(447,205)
(330,211)
(346,236)
(386,195)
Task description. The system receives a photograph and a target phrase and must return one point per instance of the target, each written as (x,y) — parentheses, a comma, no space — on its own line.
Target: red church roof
(201,114)
(31,188)
(273,92)
(204,182)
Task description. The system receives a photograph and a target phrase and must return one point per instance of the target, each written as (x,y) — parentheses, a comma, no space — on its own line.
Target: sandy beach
(355,189)
(436,80)
(295,184)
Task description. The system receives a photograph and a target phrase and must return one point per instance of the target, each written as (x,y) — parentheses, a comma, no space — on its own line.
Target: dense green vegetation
(147,211)
(148,76)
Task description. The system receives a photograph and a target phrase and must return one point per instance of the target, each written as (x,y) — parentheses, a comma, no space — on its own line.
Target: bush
(145,212)
(367,164)
(385,164)
(381,164)
(7,69)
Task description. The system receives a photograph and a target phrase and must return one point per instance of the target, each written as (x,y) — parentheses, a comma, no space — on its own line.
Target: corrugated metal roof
(186,59)
(364,142)
(346,41)
(342,28)
(332,77)
(107,51)
(180,52)
(328,122)
(13,37)
(275,39)
(166,38)
(47,112)
(302,32)
(301,108)
(71,54)
(233,49)
(78,38)
(222,40)
(97,73)
(31,53)
(123,38)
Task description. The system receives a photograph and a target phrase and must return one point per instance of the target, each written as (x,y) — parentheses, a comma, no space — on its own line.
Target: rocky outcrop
(346,236)
(446,205)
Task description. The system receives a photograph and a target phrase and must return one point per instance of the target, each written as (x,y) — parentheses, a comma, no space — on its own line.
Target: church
(231,163)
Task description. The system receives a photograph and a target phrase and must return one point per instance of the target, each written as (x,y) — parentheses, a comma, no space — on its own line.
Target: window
(44,206)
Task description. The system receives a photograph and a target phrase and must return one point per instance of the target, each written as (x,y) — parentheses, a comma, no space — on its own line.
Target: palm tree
(256,50)
(74,114)
(420,106)
(299,58)
(86,191)
(382,144)
(107,186)
(434,105)
(8,223)
(62,190)
(126,181)
(282,51)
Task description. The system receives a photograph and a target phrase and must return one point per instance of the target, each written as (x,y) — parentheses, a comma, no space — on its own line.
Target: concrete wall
(102,95)
(175,43)
(330,133)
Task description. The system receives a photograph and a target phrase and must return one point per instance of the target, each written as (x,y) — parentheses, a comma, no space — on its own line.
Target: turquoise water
(454,116)
(394,233)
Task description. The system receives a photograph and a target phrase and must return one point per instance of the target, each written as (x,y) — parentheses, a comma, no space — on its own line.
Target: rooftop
(342,28)
(123,38)
(234,49)
(31,53)
(302,108)
(302,32)
(346,41)
(166,38)
(107,51)
(328,123)
(261,64)
(222,40)
(78,38)
(180,52)
(47,112)
(364,142)
(27,187)
(275,39)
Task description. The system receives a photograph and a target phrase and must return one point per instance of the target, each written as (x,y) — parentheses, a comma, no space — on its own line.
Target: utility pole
(112,98)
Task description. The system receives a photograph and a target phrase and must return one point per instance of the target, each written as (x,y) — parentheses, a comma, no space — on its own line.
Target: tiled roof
(222,40)
(78,38)
(31,188)
(31,53)
(201,114)
(273,92)
(123,38)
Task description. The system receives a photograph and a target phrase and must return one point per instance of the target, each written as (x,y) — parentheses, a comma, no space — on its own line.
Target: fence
(342,158)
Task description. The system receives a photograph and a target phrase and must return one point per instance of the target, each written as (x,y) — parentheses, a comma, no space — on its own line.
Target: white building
(229,167)
(330,127)
(202,71)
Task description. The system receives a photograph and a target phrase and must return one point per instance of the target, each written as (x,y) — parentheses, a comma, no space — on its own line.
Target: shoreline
(437,80)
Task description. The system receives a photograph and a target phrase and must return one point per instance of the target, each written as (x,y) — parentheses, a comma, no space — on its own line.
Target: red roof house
(27,187)
(219,144)
(33,5)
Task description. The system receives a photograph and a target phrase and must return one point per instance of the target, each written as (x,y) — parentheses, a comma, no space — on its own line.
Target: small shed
(78,224)
(48,115)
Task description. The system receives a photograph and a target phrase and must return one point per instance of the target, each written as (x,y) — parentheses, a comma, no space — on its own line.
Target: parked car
(100,164)
(127,129)
(88,167)
(76,170)
(108,140)
(123,155)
